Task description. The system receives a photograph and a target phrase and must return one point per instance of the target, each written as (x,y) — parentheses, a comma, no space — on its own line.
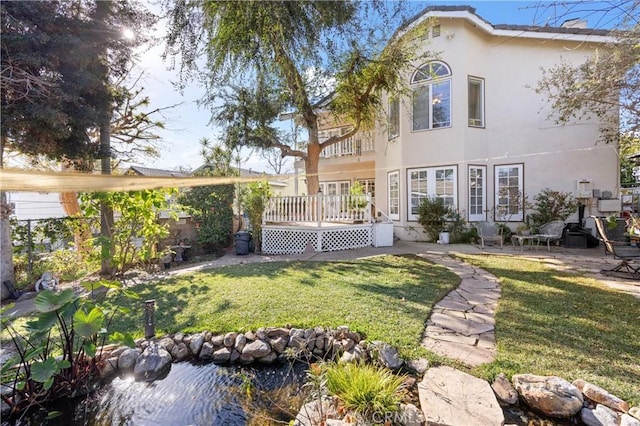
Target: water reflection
(191,394)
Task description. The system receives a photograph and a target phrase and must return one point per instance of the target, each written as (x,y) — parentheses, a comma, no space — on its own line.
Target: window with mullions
(509,186)
(393,196)
(432,96)
(440,182)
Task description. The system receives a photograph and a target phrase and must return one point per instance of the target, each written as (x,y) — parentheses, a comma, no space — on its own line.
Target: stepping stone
(464,326)
(449,397)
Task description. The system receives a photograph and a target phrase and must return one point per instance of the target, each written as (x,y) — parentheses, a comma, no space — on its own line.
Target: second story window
(476,102)
(431,96)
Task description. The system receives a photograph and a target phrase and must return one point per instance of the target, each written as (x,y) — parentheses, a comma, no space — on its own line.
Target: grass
(385,298)
(557,323)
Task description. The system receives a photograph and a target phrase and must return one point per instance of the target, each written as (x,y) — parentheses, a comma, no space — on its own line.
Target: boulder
(218,341)
(276,332)
(241,340)
(635,412)
(418,366)
(109,367)
(222,355)
(388,355)
(410,415)
(313,413)
(599,416)
(167,343)
(356,354)
(207,351)
(229,339)
(601,396)
(154,363)
(257,349)
(196,344)
(504,390)
(451,397)
(127,359)
(279,344)
(550,395)
(628,420)
(180,352)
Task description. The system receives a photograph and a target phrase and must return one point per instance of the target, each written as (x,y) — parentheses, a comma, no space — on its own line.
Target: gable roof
(505,30)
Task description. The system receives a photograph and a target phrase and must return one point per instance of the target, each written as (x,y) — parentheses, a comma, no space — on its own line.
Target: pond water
(191,394)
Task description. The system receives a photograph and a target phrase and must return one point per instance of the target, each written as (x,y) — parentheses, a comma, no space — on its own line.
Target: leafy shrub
(365,389)
(436,217)
(552,205)
(212,211)
(255,198)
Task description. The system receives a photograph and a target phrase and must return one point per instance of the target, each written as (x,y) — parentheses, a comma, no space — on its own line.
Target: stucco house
(474,132)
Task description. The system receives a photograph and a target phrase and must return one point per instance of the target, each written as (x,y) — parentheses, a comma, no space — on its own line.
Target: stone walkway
(462,325)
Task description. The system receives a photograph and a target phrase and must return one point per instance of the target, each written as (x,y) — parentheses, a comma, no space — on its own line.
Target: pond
(191,394)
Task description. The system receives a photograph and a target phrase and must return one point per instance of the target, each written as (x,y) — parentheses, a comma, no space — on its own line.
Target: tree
(607,85)
(274,45)
(71,49)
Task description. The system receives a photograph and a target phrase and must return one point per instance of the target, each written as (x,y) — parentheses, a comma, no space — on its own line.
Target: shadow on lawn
(551,322)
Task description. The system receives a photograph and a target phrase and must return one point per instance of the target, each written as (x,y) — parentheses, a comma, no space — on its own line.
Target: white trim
(482,216)
(431,187)
(489,28)
(393,216)
(480,81)
(514,217)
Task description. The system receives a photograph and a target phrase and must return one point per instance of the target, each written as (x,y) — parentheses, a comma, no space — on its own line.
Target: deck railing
(318,209)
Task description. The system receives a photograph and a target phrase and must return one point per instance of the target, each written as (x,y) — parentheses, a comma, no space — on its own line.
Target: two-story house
(473,130)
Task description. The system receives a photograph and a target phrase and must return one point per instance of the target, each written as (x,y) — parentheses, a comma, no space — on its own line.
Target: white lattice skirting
(296,240)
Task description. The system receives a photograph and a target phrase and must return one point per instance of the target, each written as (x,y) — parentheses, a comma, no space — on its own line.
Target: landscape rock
(599,416)
(167,343)
(550,395)
(269,358)
(389,356)
(504,390)
(241,341)
(196,344)
(218,341)
(628,420)
(452,397)
(180,352)
(356,354)
(635,412)
(207,351)
(311,413)
(601,396)
(222,355)
(257,349)
(410,415)
(279,344)
(127,359)
(418,366)
(229,339)
(154,363)
(109,368)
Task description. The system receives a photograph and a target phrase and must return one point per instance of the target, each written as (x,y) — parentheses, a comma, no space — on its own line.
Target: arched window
(431,96)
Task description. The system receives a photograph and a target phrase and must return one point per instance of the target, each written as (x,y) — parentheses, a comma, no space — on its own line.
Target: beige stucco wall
(517,130)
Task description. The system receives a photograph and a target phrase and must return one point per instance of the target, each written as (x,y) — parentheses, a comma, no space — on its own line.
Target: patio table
(521,240)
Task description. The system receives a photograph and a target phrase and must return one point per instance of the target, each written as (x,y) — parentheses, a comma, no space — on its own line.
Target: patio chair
(489,232)
(550,232)
(620,250)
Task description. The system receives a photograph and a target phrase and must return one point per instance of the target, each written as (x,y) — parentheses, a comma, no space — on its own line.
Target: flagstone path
(462,324)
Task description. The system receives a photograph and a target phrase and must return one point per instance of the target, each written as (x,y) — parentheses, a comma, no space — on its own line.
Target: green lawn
(557,323)
(385,298)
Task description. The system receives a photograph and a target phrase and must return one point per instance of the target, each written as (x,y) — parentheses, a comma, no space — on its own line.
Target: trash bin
(242,242)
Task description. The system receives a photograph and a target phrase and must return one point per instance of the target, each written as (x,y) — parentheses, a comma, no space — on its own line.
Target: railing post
(319,204)
(367,212)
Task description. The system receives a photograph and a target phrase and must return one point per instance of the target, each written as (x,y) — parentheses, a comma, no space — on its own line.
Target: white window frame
(340,186)
(425,78)
(432,189)
(474,121)
(391,177)
(500,196)
(481,193)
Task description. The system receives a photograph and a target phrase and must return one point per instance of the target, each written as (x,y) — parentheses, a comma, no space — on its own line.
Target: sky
(187,123)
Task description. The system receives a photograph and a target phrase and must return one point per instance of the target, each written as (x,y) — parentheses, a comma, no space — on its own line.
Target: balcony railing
(318,209)
(355,145)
